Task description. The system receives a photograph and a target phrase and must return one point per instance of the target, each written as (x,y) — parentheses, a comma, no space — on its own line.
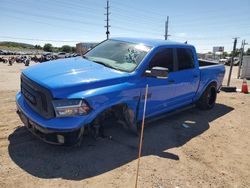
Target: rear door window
(185,58)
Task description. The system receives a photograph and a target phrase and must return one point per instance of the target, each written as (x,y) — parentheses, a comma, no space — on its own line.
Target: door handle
(171,81)
(195,76)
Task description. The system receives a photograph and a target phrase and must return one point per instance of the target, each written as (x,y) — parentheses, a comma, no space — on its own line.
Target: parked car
(229,59)
(4,52)
(59,100)
(48,56)
(4,60)
(75,55)
(61,55)
(223,61)
(236,61)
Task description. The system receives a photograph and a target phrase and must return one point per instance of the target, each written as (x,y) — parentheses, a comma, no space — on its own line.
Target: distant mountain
(16,45)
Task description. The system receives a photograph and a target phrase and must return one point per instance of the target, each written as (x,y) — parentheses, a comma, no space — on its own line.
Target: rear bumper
(61,131)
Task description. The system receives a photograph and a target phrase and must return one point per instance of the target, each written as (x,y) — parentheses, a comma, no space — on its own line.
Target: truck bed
(210,70)
(203,63)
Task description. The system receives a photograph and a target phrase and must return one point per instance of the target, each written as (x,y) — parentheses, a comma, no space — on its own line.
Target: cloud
(181,34)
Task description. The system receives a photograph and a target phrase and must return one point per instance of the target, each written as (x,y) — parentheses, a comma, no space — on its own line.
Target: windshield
(118,55)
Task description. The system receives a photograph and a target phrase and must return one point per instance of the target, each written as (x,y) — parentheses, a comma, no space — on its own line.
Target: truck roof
(151,42)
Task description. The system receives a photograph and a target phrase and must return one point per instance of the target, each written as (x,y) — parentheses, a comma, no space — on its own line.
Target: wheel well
(213,83)
(202,102)
(119,110)
(205,88)
(113,112)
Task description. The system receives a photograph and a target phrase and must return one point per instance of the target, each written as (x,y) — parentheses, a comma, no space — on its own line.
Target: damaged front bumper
(60,131)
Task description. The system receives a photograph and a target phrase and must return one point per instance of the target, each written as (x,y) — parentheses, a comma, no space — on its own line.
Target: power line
(126,8)
(186,25)
(61,26)
(49,17)
(55,25)
(62,6)
(153,33)
(77,11)
(145,19)
(36,39)
(119,5)
(71,20)
(136,30)
(80,5)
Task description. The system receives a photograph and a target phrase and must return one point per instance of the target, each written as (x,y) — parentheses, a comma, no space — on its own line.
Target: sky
(204,24)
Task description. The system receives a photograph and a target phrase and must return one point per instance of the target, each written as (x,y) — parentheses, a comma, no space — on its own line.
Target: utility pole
(241,56)
(231,65)
(166,29)
(107,19)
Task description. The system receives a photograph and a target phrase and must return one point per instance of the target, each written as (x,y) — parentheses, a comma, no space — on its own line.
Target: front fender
(103,98)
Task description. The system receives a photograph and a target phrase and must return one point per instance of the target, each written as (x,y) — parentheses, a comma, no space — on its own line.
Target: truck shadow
(95,157)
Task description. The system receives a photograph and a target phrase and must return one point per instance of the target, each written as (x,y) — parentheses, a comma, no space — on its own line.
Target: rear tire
(208,98)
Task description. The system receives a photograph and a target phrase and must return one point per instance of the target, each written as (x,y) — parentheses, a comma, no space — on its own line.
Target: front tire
(208,98)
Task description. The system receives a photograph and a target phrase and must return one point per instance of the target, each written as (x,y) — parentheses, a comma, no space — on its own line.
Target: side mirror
(159,72)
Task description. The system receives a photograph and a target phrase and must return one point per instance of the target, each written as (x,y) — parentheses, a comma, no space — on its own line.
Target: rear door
(187,76)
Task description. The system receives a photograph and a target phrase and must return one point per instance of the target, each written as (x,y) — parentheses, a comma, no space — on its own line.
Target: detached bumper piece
(52,136)
(228,88)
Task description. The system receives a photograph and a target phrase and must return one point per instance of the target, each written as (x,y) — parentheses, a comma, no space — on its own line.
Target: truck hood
(74,74)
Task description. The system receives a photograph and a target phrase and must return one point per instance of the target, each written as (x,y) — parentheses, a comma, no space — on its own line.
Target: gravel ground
(213,152)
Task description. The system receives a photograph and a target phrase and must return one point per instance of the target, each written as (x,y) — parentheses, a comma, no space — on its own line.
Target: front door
(161,91)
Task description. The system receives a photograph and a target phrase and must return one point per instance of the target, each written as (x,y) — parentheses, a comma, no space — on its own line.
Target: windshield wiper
(104,64)
(85,57)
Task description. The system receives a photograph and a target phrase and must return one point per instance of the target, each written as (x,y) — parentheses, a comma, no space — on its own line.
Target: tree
(237,52)
(73,49)
(224,54)
(48,47)
(248,51)
(66,48)
(38,47)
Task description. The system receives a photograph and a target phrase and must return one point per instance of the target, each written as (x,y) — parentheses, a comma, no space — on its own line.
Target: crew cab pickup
(60,99)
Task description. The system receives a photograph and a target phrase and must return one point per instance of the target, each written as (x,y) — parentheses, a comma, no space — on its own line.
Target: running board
(167,114)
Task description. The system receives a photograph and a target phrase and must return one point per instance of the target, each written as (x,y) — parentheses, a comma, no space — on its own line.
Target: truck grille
(37,97)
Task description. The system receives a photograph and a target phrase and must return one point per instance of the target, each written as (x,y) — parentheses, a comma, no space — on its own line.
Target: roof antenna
(186,42)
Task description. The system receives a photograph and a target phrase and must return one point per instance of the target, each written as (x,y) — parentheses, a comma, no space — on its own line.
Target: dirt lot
(213,152)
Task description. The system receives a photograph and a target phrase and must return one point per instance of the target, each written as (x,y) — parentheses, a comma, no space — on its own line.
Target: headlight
(70,107)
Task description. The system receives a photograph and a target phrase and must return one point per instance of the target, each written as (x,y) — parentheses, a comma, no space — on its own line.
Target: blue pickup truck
(60,100)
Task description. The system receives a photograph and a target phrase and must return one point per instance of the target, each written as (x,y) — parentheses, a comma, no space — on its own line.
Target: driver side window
(163,58)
